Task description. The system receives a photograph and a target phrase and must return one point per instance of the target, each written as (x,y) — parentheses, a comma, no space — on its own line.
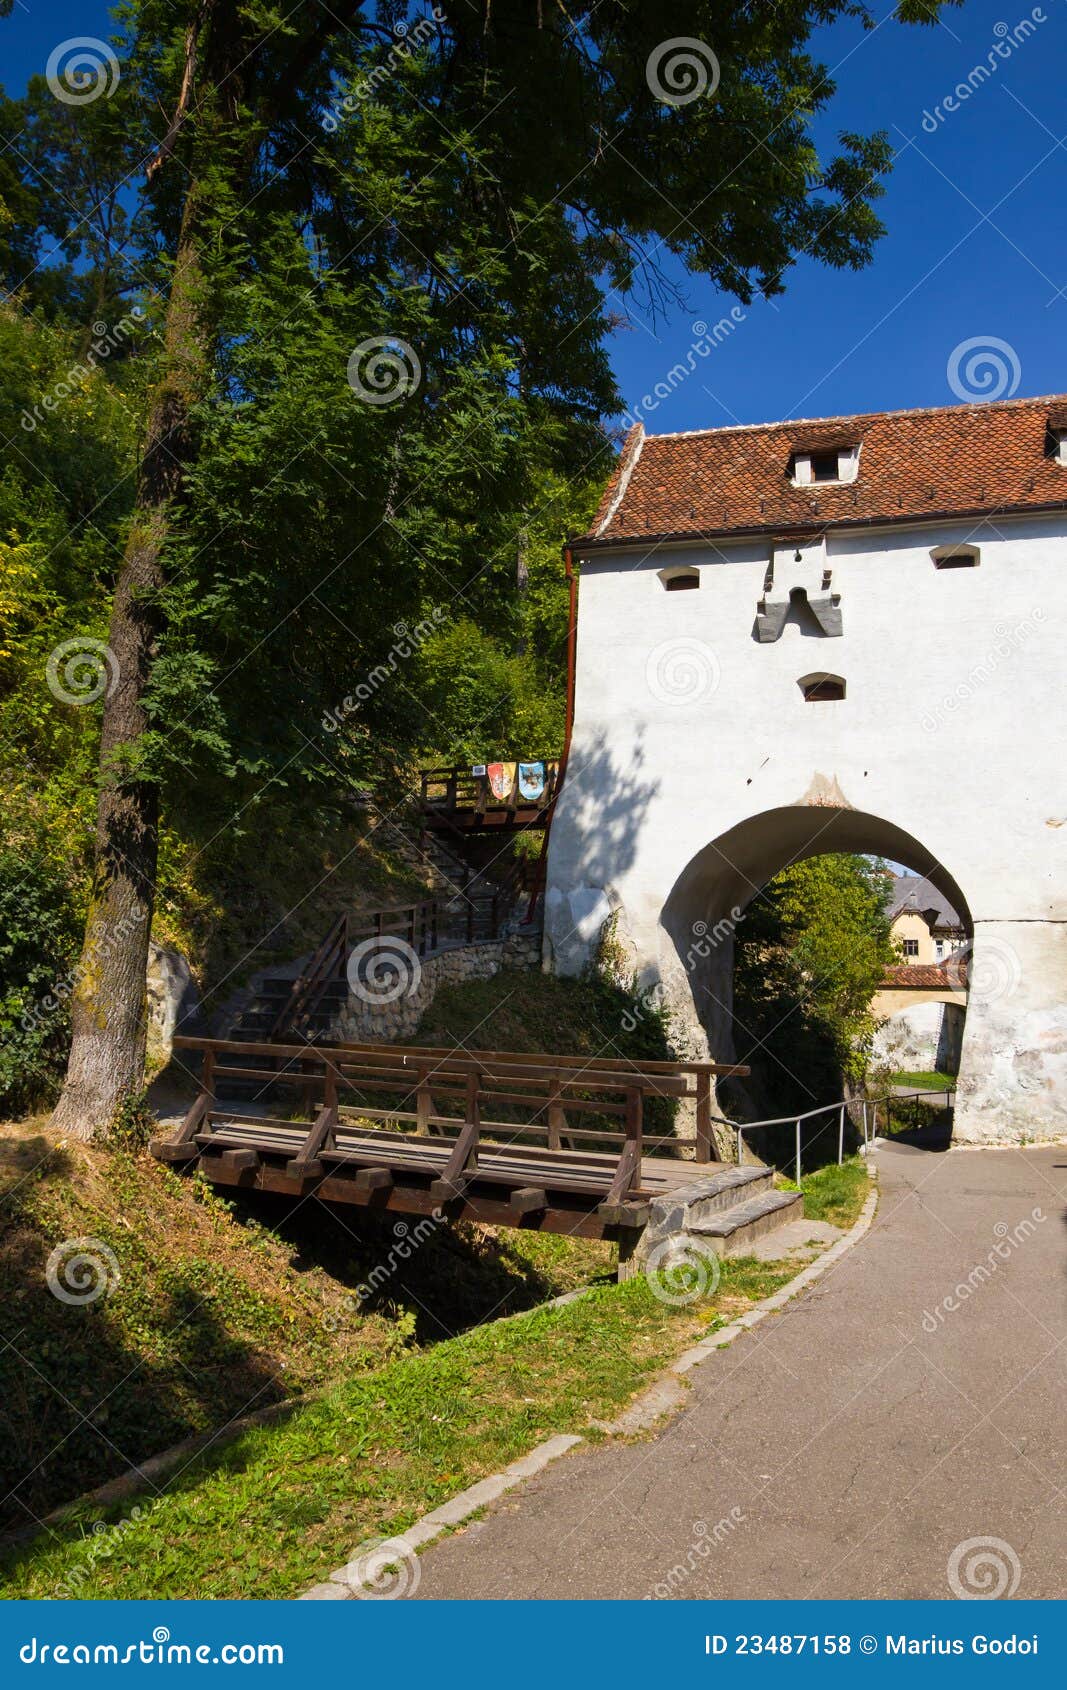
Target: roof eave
(600,542)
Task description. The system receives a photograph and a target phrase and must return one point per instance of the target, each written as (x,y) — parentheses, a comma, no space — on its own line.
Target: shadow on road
(932,1135)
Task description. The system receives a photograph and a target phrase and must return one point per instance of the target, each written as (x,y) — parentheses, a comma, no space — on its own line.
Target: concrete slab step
(733,1230)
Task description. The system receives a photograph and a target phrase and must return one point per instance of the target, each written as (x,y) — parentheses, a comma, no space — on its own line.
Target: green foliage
(810,951)
(132,1124)
(374,1452)
(38,948)
(456,198)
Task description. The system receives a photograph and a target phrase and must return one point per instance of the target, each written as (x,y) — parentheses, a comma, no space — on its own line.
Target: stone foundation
(362,1020)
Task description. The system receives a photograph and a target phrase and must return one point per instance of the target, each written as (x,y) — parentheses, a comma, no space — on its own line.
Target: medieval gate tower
(831,636)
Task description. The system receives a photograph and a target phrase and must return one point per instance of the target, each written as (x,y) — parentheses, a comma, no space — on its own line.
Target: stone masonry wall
(363,1019)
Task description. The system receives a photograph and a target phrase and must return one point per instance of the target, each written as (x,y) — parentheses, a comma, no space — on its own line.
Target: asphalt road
(848,1446)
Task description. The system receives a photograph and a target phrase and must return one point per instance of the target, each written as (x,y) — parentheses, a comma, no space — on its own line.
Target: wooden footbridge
(554,1143)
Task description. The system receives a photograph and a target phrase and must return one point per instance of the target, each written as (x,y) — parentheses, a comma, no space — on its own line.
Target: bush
(38,949)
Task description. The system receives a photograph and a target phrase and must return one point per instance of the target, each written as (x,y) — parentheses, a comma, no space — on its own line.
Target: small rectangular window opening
(819,692)
(681,583)
(957,560)
(911,947)
(825,466)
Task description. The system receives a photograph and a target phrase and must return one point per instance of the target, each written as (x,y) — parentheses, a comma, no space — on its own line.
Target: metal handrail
(842,1106)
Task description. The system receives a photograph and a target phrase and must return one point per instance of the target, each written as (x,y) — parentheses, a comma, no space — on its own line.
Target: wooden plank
(463,1160)
(192,1121)
(238,1161)
(418,1054)
(373,1179)
(317,1138)
(705,1142)
(169,1150)
(630,1159)
(528,1200)
(579,1220)
(623,1214)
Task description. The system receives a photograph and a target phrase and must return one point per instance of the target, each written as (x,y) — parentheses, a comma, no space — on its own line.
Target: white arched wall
(722,878)
(697,769)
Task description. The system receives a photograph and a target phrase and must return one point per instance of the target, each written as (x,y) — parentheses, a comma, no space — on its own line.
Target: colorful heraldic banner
(501,779)
(531,779)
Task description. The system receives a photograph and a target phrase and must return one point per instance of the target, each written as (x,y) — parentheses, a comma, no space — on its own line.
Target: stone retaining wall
(362,1019)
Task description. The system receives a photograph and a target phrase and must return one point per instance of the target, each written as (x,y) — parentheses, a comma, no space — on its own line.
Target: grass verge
(199,1309)
(282,1506)
(836,1194)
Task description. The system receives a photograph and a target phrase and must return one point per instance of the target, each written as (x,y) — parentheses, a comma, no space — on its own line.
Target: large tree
(473,188)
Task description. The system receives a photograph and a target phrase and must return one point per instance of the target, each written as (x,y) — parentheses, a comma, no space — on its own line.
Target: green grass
(836,1194)
(218,1305)
(281,1507)
(925,1082)
(396,1417)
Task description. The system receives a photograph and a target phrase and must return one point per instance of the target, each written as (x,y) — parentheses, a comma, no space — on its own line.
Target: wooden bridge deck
(424,1161)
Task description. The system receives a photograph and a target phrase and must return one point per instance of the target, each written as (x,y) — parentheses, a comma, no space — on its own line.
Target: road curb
(663,1397)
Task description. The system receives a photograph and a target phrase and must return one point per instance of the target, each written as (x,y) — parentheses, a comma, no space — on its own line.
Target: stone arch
(720,880)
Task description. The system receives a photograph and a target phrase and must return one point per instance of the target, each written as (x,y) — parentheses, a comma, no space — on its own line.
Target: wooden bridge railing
(444,1091)
(456,788)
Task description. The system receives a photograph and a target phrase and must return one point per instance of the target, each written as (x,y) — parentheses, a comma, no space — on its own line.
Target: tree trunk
(109,1002)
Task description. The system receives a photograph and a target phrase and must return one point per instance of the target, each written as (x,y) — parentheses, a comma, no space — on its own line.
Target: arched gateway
(839,636)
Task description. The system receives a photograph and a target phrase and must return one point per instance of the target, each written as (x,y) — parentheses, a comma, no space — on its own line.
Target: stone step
(723,1190)
(732,1230)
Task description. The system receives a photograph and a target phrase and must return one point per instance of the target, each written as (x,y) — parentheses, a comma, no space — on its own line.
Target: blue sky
(976,247)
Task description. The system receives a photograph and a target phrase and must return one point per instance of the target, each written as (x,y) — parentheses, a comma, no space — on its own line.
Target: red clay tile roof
(968,460)
(949,976)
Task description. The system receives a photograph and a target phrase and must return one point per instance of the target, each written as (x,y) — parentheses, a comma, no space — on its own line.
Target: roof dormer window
(1056,444)
(829,465)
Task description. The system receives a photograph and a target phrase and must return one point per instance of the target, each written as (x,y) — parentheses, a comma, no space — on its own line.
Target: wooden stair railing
(463,917)
(307,989)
